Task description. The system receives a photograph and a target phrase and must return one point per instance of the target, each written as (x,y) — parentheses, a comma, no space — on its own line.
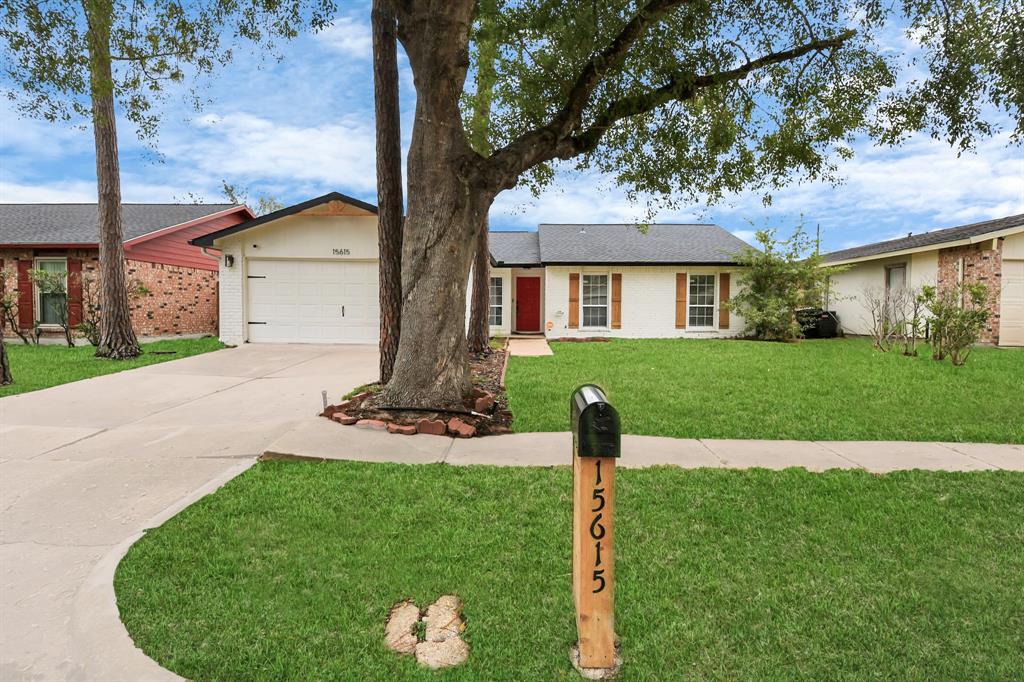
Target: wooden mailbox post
(596,442)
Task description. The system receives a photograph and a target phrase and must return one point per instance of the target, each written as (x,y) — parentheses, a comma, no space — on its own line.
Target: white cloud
(349,35)
(253,150)
(60,192)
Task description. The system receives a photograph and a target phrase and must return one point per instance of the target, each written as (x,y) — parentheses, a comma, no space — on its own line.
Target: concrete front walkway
(86,467)
(321,439)
(532,346)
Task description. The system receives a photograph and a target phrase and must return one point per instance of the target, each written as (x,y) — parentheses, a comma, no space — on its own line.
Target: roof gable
(330,204)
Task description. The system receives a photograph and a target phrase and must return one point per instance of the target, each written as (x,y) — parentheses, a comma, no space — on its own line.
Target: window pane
(595,316)
(53,265)
(702,289)
(494,319)
(595,300)
(897,277)
(701,299)
(701,316)
(51,308)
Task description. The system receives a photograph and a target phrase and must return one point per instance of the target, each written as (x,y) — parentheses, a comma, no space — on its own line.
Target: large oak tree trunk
(117,339)
(389,182)
(479,335)
(445,210)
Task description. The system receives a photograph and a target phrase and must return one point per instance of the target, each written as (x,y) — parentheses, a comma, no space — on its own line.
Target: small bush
(959,314)
(785,276)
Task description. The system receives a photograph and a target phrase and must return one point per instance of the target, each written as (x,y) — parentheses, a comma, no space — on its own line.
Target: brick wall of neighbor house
(180,300)
(982,264)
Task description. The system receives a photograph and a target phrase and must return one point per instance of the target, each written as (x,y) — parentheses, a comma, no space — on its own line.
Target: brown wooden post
(596,446)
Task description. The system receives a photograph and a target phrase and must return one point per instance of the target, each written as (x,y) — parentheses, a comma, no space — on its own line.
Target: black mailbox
(595,424)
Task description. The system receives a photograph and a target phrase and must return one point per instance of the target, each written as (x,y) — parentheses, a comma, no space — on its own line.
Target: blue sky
(303,126)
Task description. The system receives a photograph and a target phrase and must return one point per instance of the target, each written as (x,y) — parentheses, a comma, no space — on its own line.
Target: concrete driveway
(126,448)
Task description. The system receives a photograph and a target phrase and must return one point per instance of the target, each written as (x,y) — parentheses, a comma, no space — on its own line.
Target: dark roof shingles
(515,248)
(76,223)
(626,243)
(914,241)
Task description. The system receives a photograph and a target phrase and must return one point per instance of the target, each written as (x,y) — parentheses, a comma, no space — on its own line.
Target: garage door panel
(1011,304)
(313,302)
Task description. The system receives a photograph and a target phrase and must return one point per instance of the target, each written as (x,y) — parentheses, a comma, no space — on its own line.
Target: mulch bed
(485,414)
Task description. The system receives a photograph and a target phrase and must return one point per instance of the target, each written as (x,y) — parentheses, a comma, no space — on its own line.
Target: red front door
(527,304)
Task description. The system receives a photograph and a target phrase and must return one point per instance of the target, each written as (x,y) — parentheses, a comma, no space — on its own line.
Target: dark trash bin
(817,323)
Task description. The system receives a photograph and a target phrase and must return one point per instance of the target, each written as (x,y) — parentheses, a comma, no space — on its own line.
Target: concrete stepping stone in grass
(400,631)
(442,645)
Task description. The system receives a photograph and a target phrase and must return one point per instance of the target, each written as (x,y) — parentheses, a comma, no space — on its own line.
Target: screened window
(595,300)
(494,319)
(52,307)
(702,301)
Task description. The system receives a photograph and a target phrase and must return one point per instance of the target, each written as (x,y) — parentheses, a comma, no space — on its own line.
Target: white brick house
(615,280)
(308,273)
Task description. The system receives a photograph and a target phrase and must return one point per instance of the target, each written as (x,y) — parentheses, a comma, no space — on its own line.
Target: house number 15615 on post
(596,446)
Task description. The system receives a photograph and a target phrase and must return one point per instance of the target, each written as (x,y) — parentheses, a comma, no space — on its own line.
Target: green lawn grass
(288,573)
(832,389)
(36,367)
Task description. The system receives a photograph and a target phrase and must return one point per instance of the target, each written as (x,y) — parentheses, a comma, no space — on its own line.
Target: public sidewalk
(321,439)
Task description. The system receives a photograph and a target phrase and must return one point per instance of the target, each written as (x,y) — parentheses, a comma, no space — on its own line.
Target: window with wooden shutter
(574,300)
(616,300)
(52,307)
(681,300)
(723,299)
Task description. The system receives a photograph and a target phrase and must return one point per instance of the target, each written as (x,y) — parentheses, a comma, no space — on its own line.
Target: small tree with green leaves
(779,279)
(959,313)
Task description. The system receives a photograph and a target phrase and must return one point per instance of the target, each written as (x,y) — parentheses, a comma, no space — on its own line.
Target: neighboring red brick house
(180,279)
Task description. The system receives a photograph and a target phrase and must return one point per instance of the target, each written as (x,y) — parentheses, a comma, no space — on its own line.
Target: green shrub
(783,277)
(959,313)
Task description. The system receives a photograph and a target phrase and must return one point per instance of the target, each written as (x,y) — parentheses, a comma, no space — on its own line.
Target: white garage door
(1011,306)
(312,302)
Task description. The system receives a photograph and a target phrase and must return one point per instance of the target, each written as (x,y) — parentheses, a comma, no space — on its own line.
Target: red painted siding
(170,246)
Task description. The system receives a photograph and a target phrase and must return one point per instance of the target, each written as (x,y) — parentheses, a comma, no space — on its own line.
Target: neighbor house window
(52,307)
(702,301)
(494,319)
(896,277)
(595,300)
